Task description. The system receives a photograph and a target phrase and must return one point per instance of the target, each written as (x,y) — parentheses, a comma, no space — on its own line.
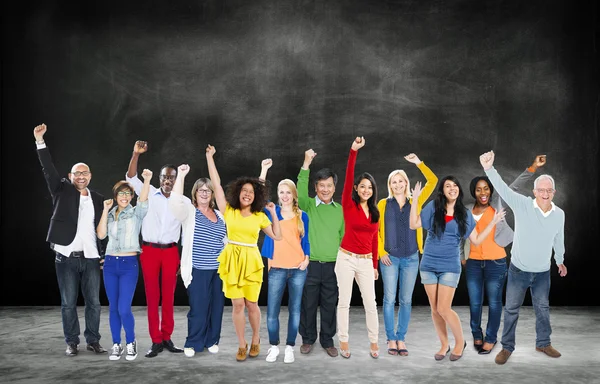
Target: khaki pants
(347,269)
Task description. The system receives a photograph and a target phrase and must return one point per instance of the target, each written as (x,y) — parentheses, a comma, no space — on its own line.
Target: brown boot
(242,353)
(502,356)
(254,350)
(549,350)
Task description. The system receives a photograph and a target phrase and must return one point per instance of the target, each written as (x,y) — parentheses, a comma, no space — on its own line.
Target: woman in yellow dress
(240,263)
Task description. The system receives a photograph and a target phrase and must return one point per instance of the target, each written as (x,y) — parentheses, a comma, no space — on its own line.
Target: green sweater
(326,227)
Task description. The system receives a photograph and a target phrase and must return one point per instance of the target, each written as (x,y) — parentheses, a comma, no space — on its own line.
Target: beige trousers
(347,269)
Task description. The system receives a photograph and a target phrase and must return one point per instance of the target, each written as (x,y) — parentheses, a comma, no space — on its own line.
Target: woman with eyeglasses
(240,263)
(485,264)
(204,233)
(122,225)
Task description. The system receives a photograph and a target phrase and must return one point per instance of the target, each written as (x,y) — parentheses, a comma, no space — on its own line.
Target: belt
(157,245)
(366,256)
(76,254)
(242,244)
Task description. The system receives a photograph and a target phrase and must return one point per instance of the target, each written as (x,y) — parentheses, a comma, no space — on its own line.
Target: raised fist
(147,174)
(210,150)
(108,204)
(39,131)
(266,163)
(140,147)
(412,158)
(358,143)
(183,170)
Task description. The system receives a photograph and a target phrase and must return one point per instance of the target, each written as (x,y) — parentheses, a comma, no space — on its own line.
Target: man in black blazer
(72,236)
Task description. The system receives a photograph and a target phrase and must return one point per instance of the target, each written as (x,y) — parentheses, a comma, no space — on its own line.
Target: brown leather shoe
(549,350)
(502,356)
(254,350)
(306,348)
(331,351)
(242,353)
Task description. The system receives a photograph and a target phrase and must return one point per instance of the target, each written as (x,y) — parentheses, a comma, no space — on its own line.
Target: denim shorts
(444,278)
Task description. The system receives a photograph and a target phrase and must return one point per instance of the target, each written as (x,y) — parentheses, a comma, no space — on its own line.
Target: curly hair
(261,193)
(460,211)
(372,202)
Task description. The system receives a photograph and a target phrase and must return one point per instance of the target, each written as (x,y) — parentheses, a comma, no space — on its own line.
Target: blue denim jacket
(128,229)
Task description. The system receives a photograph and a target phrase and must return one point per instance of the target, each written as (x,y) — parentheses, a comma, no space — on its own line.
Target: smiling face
(80,176)
(123,197)
(167,179)
(285,195)
(544,193)
(364,190)
(204,196)
(246,195)
(451,190)
(398,185)
(482,192)
(325,189)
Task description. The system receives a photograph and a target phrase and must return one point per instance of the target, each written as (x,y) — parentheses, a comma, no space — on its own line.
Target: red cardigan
(360,235)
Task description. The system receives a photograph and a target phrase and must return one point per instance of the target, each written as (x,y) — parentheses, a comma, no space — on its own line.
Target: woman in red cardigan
(357,257)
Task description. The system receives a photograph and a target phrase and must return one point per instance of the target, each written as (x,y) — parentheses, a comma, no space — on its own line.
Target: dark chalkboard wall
(447,80)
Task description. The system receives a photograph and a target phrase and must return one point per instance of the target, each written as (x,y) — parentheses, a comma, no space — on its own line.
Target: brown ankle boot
(549,350)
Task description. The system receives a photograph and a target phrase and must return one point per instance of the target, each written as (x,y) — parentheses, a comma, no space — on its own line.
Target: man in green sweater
(325,233)
(539,228)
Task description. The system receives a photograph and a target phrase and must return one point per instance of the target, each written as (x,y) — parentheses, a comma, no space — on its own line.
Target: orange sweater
(488,250)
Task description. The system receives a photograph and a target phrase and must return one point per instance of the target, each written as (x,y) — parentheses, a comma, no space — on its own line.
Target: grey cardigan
(504,233)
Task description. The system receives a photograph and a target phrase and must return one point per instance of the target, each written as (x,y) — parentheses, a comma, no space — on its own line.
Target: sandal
(374,353)
(403,351)
(393,351)
(345,353)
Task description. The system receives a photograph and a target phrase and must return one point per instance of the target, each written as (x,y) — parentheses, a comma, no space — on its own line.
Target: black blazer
(65,201)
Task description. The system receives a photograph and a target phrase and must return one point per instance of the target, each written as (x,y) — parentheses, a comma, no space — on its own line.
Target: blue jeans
(72,273)
(120,278)
(400,276)
(205,317)
(516,288)
(489,275)
(278,279)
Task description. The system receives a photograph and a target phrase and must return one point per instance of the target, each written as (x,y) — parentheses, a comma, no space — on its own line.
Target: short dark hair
(324,174)
(168,166)
(261,193)
(476,180)
(121,186)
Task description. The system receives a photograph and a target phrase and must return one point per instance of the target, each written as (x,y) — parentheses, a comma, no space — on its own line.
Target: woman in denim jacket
(122,224)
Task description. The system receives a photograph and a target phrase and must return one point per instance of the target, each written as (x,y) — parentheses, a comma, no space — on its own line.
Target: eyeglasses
(165,177)
(547,190)
(204,191)
(124,193)
(80,173)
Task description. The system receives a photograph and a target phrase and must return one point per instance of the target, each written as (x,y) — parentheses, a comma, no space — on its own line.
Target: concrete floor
(33,352)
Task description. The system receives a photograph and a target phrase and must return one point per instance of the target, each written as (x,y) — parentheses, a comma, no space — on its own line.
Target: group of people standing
(314,246)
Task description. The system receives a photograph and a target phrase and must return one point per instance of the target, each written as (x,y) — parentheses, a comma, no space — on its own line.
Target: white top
(545,214)
(477,217)
(159,225)
(85,237)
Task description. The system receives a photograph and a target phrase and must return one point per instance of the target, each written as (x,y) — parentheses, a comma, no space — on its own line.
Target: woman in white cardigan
(204,234)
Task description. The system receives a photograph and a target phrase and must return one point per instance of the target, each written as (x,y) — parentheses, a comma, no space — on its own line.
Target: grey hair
(541,177)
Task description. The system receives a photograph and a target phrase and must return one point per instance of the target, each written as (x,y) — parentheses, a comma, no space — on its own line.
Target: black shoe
(169,346)
(154,350)
(96,347)
(484,351)
(72,349)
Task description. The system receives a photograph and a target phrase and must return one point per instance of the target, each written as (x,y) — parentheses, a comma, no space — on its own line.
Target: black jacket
(65,201)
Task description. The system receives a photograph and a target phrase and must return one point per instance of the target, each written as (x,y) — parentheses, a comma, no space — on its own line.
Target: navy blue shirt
(442,254)
(400,240)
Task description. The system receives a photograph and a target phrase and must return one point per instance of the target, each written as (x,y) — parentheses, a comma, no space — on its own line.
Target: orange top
(288,252)
(488,250)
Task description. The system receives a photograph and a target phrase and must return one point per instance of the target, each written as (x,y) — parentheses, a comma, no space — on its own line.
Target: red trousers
(164,263)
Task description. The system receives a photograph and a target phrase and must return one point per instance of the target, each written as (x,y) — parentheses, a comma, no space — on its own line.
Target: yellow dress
(241,266)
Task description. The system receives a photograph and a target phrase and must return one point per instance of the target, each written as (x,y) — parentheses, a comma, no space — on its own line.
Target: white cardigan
(184,211)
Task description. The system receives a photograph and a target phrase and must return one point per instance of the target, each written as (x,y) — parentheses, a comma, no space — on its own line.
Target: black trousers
(320,289)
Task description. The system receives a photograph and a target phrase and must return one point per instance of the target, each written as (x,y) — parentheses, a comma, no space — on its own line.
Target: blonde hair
(297,211)
(402,174)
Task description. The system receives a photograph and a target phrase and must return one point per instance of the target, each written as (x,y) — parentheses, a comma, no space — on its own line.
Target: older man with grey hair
(539,228)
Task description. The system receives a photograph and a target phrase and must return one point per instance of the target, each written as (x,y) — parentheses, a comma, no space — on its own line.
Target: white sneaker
(289,354)
(131,351)
(214,349)
(272,354)
(115,352)
(189,351)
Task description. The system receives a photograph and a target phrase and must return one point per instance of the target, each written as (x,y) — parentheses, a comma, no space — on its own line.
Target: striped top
(208,242)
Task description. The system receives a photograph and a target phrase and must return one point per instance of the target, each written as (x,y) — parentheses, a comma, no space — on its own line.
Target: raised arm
(431,178)
(414,221)
(214,177)
(102,227)
(520,182)
(512,198)
(50,173)
(357,144)
(147,176)
(264,168)
(477,238)
(303,176)
(178,203)
(138,148)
